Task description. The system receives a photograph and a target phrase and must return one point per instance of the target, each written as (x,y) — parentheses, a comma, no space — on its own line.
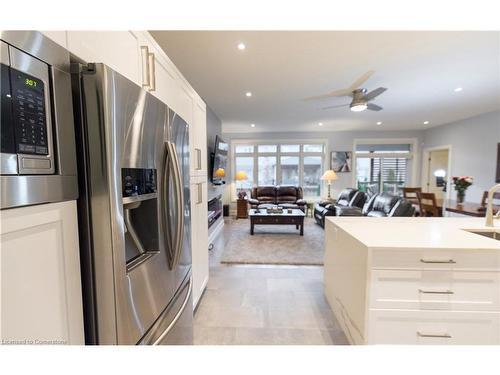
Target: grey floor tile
(264,305)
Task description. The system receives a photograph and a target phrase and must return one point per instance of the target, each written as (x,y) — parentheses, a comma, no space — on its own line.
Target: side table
(241,209)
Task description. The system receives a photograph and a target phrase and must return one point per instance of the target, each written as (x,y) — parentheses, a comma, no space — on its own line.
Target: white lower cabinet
(412,296)
(41,296)
(416,327)
(199,236)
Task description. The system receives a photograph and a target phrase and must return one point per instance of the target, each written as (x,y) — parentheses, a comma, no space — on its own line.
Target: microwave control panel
(29,113)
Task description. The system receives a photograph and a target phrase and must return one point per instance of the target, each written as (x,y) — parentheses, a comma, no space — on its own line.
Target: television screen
(219,161)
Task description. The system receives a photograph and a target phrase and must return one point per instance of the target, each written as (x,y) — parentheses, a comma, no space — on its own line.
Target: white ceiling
(421,69)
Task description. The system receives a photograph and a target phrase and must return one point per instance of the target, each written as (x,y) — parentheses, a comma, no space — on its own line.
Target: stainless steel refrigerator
(134,212)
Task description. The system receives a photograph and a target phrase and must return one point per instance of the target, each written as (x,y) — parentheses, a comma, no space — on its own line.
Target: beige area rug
(274,244)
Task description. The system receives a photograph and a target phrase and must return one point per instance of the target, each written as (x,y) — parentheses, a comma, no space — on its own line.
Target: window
(268,148)
(382,167)
(312,176)
(287,163)
(289,170)
(245,164)
(290,148)
(267,170)
(244,149)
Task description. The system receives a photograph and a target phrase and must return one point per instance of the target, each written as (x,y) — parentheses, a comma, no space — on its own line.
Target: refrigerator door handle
(174,234)
(179,197)
(164,205)
(178,315)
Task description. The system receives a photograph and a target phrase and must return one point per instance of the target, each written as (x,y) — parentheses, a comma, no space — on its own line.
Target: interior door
(438,172)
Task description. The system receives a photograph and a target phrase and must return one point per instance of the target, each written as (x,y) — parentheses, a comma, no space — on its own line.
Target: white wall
(473,149)
(336,141)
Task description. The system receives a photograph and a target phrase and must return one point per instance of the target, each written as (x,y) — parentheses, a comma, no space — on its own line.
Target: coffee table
(263,218)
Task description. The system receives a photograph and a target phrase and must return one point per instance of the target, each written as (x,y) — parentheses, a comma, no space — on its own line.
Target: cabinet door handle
(443,335)
(198,159)
(200,193)
(447,261)
(435,291)
(146,81)
(152,72)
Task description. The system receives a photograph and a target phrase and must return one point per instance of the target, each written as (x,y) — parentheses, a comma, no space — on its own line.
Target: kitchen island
(408,280)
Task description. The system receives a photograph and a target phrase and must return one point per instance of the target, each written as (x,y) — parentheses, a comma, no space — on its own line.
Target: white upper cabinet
(198,139)
(117,49)
(137,56)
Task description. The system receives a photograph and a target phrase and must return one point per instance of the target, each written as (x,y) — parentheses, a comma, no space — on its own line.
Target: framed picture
(340,161)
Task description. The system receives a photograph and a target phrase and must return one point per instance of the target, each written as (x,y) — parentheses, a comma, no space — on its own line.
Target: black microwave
(26,126)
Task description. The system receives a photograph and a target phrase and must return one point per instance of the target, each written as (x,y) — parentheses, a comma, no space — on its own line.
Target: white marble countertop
(417,232)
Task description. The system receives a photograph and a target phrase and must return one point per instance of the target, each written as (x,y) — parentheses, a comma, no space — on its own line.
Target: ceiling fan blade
(341,92)
(373,94)
(373,107)
(336,106)
(357,84)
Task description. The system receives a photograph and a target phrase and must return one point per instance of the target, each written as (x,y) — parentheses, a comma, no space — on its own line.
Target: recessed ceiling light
(252,125)
(241,46)
(458,89)
(426,122)
(379,122)
(248,94)
(320,123)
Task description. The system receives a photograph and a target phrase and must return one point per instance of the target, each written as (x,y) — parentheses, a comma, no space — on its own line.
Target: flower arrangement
(461,184)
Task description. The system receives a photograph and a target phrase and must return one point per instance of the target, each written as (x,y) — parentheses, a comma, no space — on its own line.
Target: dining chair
(410,194)
(427,204)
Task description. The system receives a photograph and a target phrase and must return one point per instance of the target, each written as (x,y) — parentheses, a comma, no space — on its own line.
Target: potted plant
(461,184)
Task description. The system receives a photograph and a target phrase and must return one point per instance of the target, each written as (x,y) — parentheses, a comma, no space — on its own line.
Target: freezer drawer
(175,324)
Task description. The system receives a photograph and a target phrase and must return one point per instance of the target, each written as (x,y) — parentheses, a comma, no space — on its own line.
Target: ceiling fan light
(358,107)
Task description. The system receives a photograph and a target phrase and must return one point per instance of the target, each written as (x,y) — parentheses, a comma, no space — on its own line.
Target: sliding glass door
(382,167)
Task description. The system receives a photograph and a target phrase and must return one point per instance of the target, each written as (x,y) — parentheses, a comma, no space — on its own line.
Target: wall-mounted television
(219,161)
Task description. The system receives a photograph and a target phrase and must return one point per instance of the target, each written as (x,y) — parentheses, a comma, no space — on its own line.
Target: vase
(460,196)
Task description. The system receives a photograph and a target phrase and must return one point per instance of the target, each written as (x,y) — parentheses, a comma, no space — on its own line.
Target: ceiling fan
(360,97)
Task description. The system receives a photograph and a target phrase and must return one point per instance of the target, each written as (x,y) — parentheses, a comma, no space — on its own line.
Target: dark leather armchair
(348,198)
(283,196)
(380,205)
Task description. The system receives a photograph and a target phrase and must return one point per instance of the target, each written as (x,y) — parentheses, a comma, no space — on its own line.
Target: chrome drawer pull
(443,336)
(435,291)
(449,261)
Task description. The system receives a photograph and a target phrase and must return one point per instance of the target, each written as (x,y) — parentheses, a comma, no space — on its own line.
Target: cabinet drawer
(433,327)
(435,290)
(436,259)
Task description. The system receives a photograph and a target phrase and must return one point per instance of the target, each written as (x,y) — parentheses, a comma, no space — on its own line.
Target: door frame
(425,167)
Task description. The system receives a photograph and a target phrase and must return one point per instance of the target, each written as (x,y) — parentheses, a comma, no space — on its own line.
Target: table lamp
(220,172)
(329,176)
(241,176)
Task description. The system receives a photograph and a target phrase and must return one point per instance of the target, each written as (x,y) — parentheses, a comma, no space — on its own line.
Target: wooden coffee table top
(263,212)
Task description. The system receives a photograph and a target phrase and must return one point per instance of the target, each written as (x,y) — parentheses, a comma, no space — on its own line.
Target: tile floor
(264,304)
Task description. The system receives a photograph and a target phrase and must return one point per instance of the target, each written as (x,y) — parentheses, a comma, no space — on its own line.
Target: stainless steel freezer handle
(179,201)
(175,234)
(178,315)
